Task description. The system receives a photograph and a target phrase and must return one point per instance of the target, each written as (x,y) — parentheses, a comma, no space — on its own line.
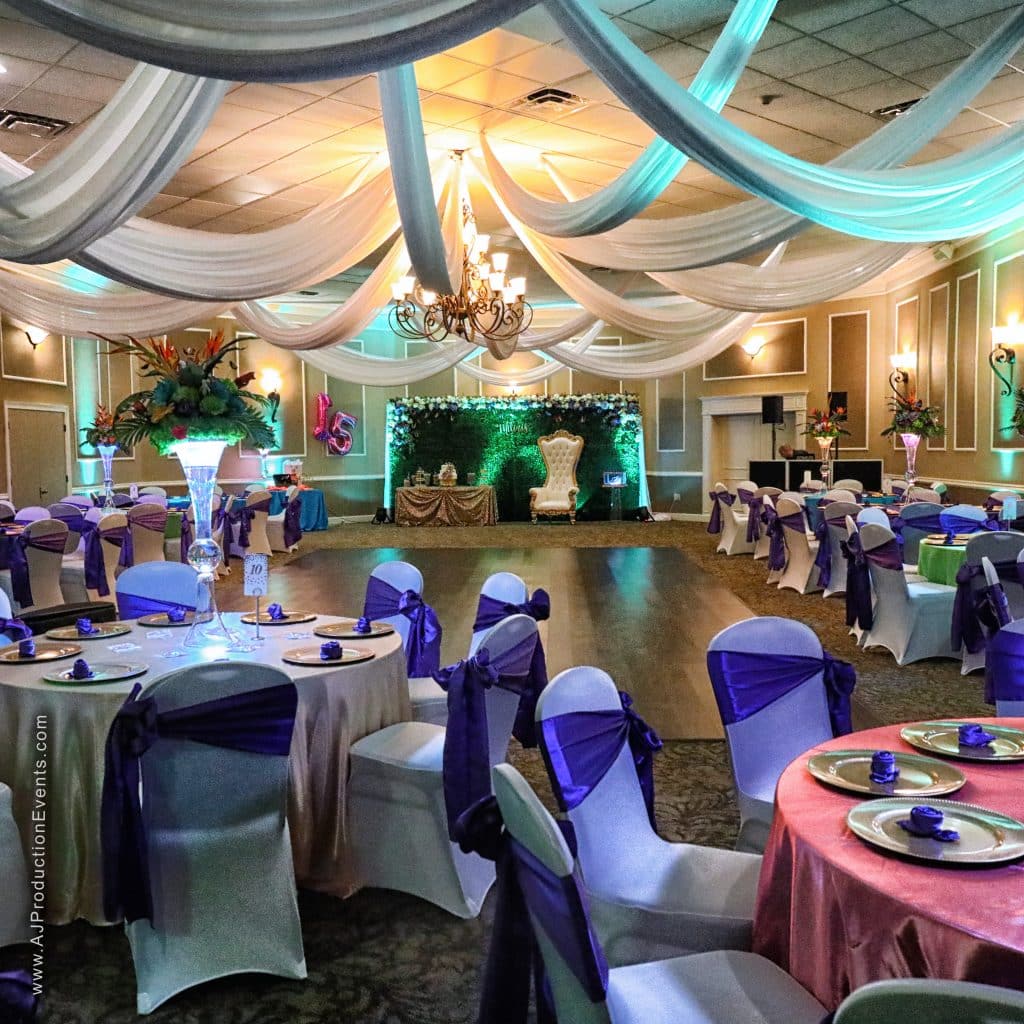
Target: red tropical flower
(180,432)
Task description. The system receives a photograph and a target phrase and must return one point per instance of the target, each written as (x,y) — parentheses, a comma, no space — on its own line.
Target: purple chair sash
(18,562)
(715,522)
(243,516)
(745,683)
(926,524)
(951,522)
(974,611)
(423,648)
(293,521)
(134,606)
(490,612)
(755,519)
(466,764)
(859,610)
(777,547)
(1004,667)
(744,495)
(258,722)
(186,537)
(15,629)
(75,520)
(581,746)
(823,559)
(18,1002)
(527,891)
(155,521)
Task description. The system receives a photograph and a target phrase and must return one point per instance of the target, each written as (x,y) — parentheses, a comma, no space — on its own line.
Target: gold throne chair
(557,496)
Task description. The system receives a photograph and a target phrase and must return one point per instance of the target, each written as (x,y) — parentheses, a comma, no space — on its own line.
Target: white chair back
(111,551)
(747,485)
(14,908)
(913,535)
(44,566)
(912,1000)
(835,515)
(763,744)
(839,510)
(800,573)
(1000,546)
(207,808)
(259,542)
(31,514)
(841,494)
(7,511)
(173,582)
(999,495)
(849,485)
(795,496)
(153,489)
(889,585)
(991,576)
(61,509)
(767,492)
(923,494)
(402,576)
(501,586)
(81,500)
(123,500)
(147,544)
(872,514)
(814,485)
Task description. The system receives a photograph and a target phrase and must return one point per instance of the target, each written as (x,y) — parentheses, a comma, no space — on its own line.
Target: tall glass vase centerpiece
(101,434)
(912,420)
(825,427)
(194,414)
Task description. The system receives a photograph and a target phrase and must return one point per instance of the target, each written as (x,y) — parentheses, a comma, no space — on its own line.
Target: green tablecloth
(939,562)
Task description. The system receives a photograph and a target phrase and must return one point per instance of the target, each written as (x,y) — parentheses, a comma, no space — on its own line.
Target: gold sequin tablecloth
(446,506)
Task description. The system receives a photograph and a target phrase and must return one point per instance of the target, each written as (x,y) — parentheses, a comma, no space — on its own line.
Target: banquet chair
(734,525)
(801,573)
(925,513)
(148,522)
(649,899)
(561,452)
(276,523)
(849,485)
(72,516)
(763,542)
(44,561)
(765,741)
(429,701)
(7,511)
(1004,670)
(81,500)
(73,583)
(255,506)
(14,907)
(940,489)
(952,518)
(31,514)
(256,485)
(153,489)
(122,500)
(872,514)
(923,494)
(999,495)
(795,496)
(911,619)
(218,848)
(397,816)
(841,494)
(721,987)
(935,1000)
(402,576)
(834,515)
(813,486)
(148,588)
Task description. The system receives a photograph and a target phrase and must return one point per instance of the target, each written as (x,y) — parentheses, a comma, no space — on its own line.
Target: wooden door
(37,454)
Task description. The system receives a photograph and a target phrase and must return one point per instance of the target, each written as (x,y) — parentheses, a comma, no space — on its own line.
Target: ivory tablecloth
(446,506)
(337,706)
(837,913)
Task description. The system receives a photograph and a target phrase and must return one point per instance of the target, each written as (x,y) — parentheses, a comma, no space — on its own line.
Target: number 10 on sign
(257,576)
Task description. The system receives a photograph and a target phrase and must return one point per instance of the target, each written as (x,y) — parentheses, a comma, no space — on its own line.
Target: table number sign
(257,574)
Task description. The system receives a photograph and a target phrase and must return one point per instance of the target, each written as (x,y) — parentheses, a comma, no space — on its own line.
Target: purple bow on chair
(951,522)
(823,559)
(258,722)
(755,519)
(717,499)
(580,747)
(777,525)
(75,521)
(423,648)
(466,763)
(1004,667)
(134,606)
(527,890)
(859,609)
(155,521)
(242,517)
(745,683)
(18,562)
(293,521)
(18,1002)
(979,611)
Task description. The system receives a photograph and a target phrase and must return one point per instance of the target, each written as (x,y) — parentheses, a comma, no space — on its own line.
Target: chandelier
(488,306)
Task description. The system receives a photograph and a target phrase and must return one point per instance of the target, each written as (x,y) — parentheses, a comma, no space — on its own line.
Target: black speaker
(643,515)
(771,409)
(837,400)
(382,516)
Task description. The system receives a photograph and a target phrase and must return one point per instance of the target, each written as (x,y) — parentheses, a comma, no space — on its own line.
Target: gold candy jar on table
(448,477)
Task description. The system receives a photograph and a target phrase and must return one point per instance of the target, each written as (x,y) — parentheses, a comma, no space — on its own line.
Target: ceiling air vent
(895,109)
(549,103)
(19,123)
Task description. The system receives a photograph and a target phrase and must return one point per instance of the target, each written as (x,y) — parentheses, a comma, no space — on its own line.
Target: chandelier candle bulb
(397,292)
(518,286)
(499,261)
(496,281)
(428,297)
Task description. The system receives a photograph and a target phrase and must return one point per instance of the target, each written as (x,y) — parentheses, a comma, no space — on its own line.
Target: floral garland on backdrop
(404,416)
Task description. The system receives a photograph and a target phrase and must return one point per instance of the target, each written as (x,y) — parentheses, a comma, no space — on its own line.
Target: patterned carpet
(385,958)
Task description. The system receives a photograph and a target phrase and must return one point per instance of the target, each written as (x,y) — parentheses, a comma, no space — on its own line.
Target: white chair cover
(31,514)
(724,987)
(872,514)
(733,538)
(913,535)
(835,514)
(14,907)
(220,856)
(842,494)
(973,512)
(72,572)
(999,495)
(259,542)
(275,525)
(649,899)
(909,1000)
(993,546)
(173,582)
(402,576)
(849,484)
(912,620)
(429,701)
(44,569)
(397,820)
(794,496)
(923,494)
(801,574)
(147,545)
(153,489)
(58,510)
(764,542)
(763,744)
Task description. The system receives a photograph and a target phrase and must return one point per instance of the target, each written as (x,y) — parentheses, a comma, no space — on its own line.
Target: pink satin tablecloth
(837,913)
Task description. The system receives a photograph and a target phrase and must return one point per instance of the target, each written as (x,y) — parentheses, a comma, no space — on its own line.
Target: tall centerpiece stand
(911,442)
(107,457)
(913,421)
(825,451)
(825,427)
(102,435)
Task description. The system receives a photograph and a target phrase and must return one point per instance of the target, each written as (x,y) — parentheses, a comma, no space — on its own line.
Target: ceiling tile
(1009,112)
(1006,87)
(191,213)
(230,193)
(363,93)
(448,110)
(441,70)
(978,30)
(335,112)
(26,39)
(69,108)
(862,35)
(20,72)
(927,51)
(680,60)
(814,15)
(537,24)
(774,34)
(492,87)
(839,77)
(944,13)
(548,64)
(64,81)
(676,20)
(792,58)
(493,47)
(613,123)
(826,120)
(881,94)
(158,204)
(193,180)
(273,99)
(965,122)
(98,62)
(642,36)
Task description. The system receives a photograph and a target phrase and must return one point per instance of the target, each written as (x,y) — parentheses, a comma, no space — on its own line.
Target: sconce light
(270,384)
(899,379)
(36,336)
(754,344)
(1011,333)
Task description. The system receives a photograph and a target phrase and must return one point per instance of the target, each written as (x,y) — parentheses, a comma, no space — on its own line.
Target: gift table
(446,506)
(313,516)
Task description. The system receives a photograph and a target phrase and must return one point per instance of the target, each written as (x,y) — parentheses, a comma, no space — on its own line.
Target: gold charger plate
(943,738)
(919,776)
(345,630)
(103,672)
(101,630)
(986,837)
(44,652)
(289,619)
(311,656)
(160,619)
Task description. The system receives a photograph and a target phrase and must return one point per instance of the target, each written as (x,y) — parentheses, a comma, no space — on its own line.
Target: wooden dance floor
(644,615)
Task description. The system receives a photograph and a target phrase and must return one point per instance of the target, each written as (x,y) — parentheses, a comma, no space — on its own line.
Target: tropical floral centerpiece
(823,424)
(1017,419)
(102,430)
(188,400)
(911,416)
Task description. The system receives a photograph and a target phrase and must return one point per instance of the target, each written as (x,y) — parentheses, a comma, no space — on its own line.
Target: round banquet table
(338,704)
(939,563)
(837,913)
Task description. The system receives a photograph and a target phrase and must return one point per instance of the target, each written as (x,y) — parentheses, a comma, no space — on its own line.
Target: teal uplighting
(496,439)
(81,279)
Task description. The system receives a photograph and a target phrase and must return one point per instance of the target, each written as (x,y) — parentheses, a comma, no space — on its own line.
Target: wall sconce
(270,385)
(753,345)
(899,379)
(36,336)
(1011,333)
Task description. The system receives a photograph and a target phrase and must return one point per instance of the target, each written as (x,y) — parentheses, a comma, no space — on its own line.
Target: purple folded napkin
(85,627)
(972,735)
(81,670)
(949,537)
(331,651)
(926,822)
(176,614)
(27,648)
(883,767)
(276,612)
(363,625)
